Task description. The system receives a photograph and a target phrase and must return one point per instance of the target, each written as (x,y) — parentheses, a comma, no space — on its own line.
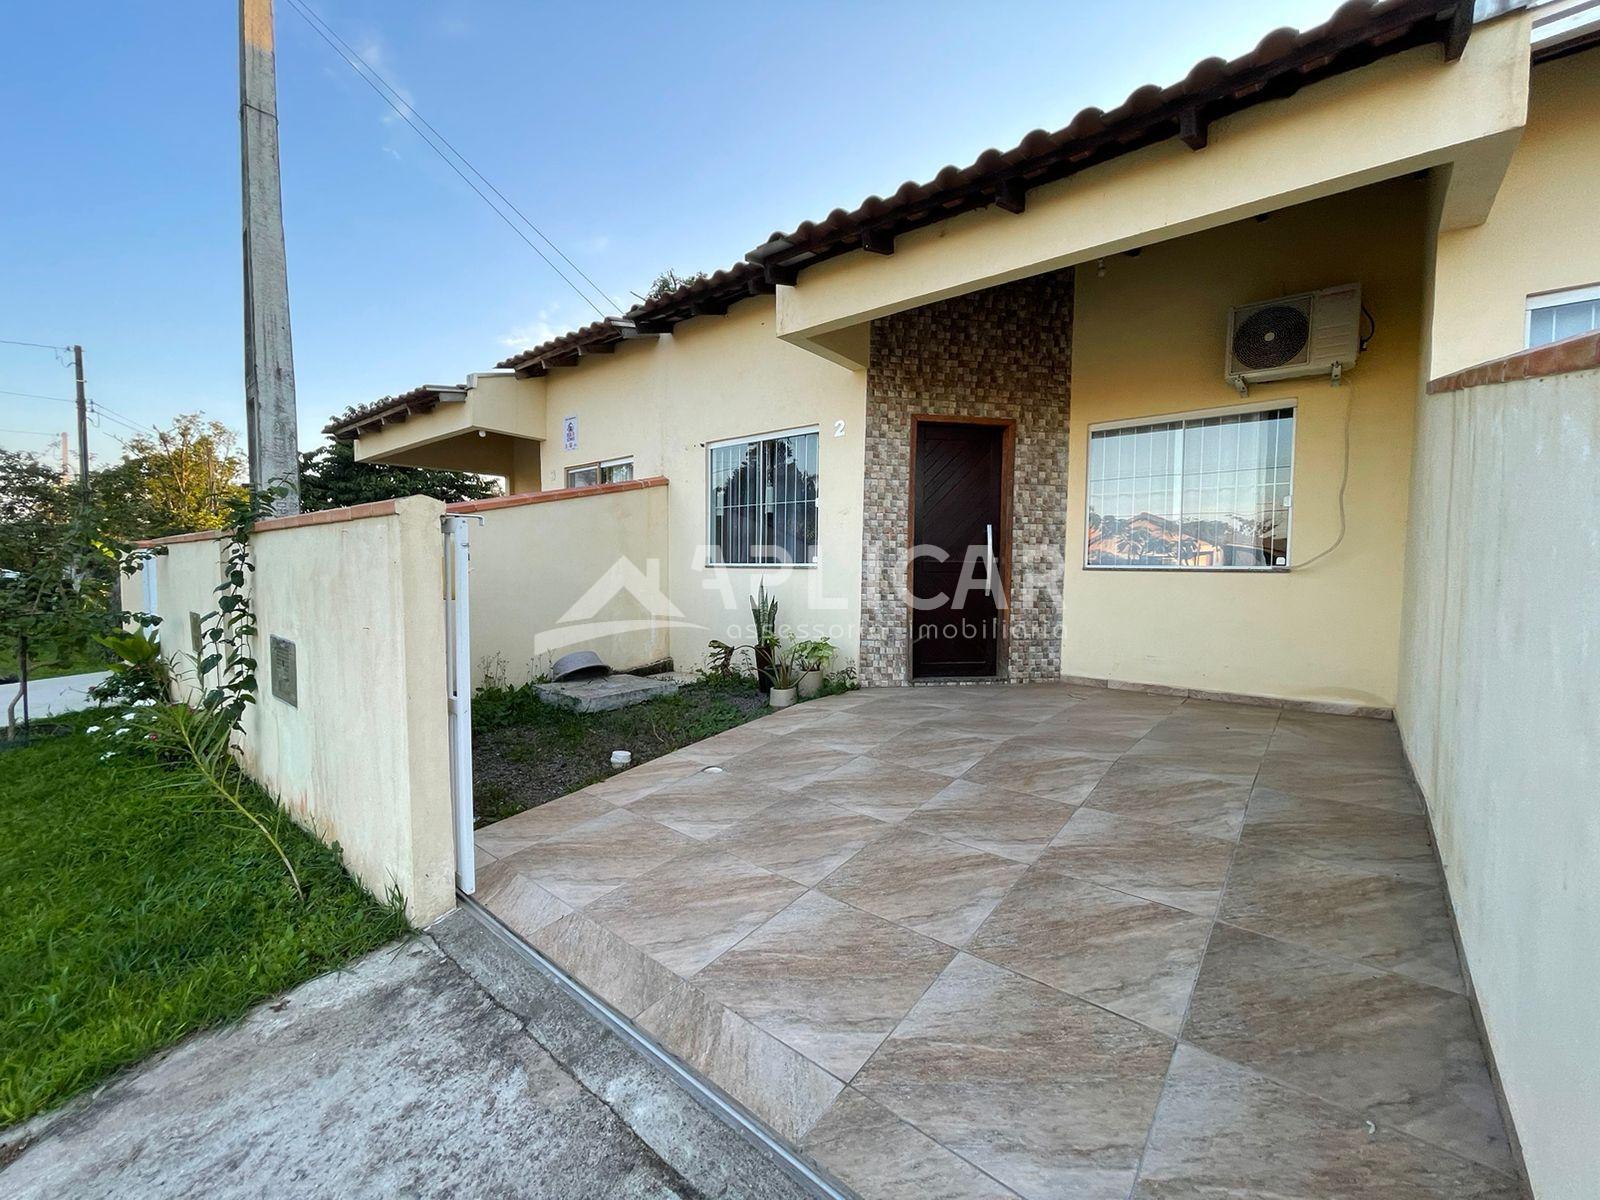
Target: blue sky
(638,136)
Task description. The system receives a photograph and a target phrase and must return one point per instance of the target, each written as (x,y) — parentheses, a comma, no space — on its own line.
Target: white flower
(108,754)
(144,703)
(129,716)
(119,732)
(92,729)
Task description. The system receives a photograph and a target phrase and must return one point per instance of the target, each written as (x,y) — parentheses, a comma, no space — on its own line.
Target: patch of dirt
(526,753)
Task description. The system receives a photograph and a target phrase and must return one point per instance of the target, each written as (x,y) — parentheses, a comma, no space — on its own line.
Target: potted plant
(809,659)
(785,681)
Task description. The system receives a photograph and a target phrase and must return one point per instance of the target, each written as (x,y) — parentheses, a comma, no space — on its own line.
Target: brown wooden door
(958,502)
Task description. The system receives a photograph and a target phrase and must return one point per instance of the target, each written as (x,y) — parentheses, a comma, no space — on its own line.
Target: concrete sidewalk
(404,1075)
(59,694)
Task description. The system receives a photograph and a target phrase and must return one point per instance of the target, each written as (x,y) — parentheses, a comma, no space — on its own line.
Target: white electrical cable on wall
(1344,481)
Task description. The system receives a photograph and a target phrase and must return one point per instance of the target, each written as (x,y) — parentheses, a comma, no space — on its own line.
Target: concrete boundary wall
(1500,711)
(572,569)
(361,757)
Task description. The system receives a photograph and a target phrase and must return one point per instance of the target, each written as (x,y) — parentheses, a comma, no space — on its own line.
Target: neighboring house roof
(1286,60)
(391,410)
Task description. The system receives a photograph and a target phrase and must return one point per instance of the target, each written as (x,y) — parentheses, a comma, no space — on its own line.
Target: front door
(957,501)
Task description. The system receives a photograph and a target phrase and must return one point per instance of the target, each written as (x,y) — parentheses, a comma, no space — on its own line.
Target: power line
(100,410)
(405,111)
(36,396)
(35,345)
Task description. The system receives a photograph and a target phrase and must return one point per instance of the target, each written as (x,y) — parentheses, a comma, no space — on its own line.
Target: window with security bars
(1208,493)
(763,500)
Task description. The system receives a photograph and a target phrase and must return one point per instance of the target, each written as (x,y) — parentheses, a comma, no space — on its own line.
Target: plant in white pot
(810,658)
(785,680)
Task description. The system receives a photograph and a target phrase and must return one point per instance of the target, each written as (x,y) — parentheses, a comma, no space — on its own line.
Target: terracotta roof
(391,410)
(1286,60)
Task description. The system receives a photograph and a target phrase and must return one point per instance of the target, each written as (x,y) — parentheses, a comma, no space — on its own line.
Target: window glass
(1563,315)
(617,470)
(1212,492)
(763,500)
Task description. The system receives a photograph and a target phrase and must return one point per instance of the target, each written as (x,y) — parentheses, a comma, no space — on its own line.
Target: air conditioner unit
(1314,333)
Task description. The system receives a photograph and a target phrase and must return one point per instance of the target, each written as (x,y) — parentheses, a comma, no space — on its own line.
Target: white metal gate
(458,655)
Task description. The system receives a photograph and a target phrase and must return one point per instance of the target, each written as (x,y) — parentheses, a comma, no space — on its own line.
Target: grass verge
(526,752)
(135,914)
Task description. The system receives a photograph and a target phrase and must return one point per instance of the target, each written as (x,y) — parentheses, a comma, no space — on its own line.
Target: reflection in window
(1212,492)
(763,500)
(616,470)
(1558,315)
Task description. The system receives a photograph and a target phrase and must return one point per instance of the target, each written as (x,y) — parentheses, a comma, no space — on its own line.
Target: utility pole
(83,423)
(268,354)
(66,459)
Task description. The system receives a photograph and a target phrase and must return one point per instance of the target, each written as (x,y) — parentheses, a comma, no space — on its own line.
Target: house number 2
(838,429)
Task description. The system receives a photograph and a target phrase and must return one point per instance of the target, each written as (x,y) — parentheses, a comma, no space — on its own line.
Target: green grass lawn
(132,914)
(92,659)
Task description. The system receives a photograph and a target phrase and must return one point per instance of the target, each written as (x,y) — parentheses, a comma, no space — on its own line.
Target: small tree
(670,281)
(175,480)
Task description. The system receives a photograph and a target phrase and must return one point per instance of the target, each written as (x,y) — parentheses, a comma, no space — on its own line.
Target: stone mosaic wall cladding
(1005,352)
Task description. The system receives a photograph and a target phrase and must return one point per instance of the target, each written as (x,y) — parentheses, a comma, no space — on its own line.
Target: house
(1254,386)
(995,355)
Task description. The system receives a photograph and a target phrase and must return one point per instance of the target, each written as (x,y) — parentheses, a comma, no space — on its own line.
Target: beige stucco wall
(494,430)
(1149,341)
(571,574)
(362,758)
(1540,235)
(661,400)
(1500,711)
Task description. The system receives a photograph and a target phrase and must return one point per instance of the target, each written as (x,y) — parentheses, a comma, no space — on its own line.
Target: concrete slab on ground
(607,692)
(47,697)
(406,1074)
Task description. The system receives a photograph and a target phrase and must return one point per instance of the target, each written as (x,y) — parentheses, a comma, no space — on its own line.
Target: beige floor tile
(1404,1053)
(1041,768)
(933,747)
(938,888)
(874,788)
(1194,803)
(1044,1092)
(518,832)
(1382,921)
(826,979)
(779,1085)
(586,861)
(800,838)
(874,1153)
(1133,956)
(626,978)
(691,908)
(519,903)
(788,765)
(1014,825)
(1166,865)
(1348,835)
(706,804)
(1224,1131)
(627,786)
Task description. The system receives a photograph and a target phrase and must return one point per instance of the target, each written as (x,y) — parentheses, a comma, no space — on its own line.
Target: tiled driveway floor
(1042,941)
